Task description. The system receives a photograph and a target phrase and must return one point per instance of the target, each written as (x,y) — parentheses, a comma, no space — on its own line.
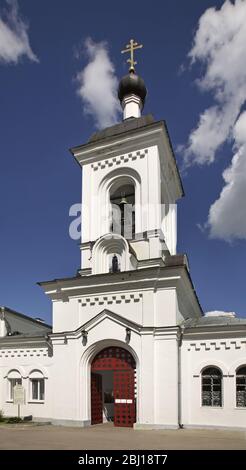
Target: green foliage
(14,419)
(11,420)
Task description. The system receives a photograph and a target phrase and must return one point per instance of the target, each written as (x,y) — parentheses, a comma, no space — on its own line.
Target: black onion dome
(132,84)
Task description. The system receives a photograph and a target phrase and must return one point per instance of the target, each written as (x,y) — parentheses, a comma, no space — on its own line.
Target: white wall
(67,374)
(156,358)
(145,307)
(226,353)
(25,360)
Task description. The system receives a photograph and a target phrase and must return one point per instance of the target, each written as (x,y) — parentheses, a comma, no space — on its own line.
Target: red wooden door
(96,399)
(113,358)
(124,401)
(122,365)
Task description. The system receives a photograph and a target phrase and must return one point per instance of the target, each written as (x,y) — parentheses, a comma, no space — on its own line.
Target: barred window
(241,387)
(211,387)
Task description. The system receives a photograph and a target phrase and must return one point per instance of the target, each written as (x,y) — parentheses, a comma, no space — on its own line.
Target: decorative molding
(111,162)
(24,353)
(110,299)
(217,345)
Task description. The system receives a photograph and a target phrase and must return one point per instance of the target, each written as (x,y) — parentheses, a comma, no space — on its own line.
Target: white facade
(147,306)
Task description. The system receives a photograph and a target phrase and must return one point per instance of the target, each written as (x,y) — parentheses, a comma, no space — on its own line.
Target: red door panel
(122,364)
(113,358)
(96,399)
(124,401)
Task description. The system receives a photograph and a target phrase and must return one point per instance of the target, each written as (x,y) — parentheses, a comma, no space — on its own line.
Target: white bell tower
(133,291)
(130,187)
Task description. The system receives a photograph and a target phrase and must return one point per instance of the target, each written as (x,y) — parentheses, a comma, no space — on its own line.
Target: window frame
(38,380)
(204,375)
(237,374)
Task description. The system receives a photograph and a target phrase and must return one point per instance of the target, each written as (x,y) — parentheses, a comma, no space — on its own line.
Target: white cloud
(219,45)
(227,215)
(14,41)
(98,85)
(219,313)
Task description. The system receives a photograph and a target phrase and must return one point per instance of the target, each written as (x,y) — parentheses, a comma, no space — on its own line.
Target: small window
(241,387)
(12,384)
(114,265)
(37,389)
(211,387)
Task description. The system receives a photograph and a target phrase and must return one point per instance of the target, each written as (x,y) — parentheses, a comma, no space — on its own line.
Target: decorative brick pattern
(110,299)
(110,162)
(24,353)
(223,345)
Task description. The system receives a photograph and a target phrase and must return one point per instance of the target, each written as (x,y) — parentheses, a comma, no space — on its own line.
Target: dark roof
(41,335)
(214,321)
(124,126)
(19,324)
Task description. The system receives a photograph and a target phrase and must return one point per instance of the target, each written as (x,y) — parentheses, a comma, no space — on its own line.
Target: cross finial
(131,48)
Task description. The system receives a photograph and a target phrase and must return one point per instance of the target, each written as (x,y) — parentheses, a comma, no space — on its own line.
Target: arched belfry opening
(110,254)
(122,200)
(113,374)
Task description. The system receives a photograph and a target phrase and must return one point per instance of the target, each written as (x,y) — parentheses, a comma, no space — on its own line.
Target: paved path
(110,438)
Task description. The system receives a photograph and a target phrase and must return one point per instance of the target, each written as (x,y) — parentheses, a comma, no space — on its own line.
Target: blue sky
(42,116)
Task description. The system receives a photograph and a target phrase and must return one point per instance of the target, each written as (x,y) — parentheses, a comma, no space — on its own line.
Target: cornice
(168,332)
(209,332)
(23,340)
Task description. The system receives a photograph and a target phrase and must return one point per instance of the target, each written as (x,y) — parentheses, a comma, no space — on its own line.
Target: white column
(166,379)
(146,383)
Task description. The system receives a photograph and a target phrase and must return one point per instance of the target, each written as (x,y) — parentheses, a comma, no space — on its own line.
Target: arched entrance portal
(113,387)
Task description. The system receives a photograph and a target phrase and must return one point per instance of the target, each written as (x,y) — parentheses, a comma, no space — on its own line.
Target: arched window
(122,201)
(241,386)
(211,386)
(14,378)
(37,386)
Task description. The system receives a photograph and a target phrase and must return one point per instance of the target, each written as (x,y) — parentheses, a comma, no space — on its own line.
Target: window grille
(241,387)
(211,387)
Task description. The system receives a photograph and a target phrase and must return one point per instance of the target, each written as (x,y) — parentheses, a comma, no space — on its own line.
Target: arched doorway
(113,387)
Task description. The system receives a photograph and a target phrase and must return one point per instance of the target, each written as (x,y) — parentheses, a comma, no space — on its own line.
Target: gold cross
(131,48)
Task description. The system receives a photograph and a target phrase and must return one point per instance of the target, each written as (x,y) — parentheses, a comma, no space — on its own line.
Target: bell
(123,200)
